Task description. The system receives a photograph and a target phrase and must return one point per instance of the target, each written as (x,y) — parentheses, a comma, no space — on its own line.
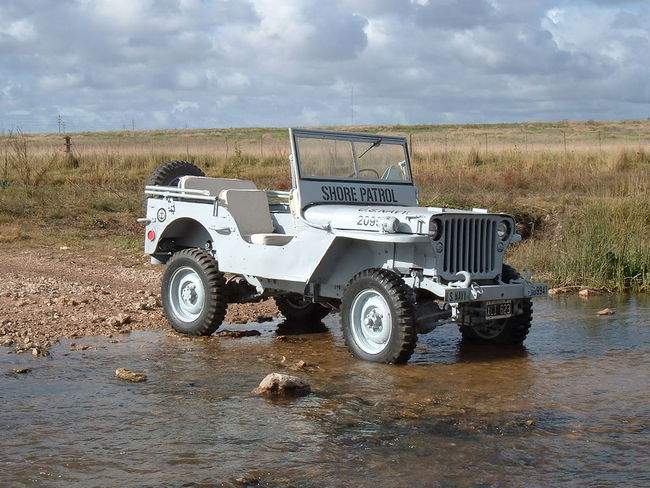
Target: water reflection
(570,408)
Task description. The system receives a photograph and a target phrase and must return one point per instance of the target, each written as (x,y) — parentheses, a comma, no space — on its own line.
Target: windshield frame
(373,139)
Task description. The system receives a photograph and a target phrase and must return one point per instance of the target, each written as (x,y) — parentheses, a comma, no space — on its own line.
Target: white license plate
(498,310)
(539,290)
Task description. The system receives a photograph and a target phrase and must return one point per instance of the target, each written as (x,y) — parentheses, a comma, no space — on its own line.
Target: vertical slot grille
(469,245)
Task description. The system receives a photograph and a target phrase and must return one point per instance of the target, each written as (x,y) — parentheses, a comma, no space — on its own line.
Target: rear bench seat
(248,206)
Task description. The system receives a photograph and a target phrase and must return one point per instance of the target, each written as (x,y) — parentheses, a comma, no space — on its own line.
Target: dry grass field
(580,190)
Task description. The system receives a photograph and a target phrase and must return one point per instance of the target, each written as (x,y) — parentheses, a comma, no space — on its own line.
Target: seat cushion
(271,239)
(250,209)
(214,185)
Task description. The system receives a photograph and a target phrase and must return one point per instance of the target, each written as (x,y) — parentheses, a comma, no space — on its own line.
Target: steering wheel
(372,170)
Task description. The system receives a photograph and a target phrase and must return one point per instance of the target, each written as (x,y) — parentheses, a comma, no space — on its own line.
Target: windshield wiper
(374,144)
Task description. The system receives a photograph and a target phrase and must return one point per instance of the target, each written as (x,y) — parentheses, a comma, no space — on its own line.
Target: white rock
(282,384)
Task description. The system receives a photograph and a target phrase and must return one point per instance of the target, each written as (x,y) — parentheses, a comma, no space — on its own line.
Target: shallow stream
(571,408)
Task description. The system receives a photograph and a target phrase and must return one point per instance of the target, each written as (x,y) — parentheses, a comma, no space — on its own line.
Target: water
(572,408)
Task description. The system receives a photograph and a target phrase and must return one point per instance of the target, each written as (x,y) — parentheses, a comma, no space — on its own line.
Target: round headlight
(503,230)
(390,225)
(435,229)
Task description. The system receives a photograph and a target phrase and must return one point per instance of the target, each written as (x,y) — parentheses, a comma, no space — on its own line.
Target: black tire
(512,330)
(370,296)
(168,174)
(297,309)
(193,292)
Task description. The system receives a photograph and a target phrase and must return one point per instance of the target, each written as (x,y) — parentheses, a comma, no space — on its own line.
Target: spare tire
(169,173)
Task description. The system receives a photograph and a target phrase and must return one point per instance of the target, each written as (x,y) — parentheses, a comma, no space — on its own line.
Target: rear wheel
(377,315)
(296,308)
(193,292)
(511,330)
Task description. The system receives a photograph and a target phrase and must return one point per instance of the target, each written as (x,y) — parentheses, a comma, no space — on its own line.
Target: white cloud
(234,81)
(58,82)
(183,105)
(20,30)
(264,62)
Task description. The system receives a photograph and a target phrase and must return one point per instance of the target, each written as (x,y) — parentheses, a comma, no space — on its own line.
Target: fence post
(446,154)
(600,146)
(68,144)
(5,181)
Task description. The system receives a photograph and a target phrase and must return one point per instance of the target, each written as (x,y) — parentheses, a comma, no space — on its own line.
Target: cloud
(182,106)
(103,63)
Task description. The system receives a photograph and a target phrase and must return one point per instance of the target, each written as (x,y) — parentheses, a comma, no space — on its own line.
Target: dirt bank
(50,293)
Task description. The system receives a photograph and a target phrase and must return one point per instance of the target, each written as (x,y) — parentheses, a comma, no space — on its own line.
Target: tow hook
(462,284)
(476,290)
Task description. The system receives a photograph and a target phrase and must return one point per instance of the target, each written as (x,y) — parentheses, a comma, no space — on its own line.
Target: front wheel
(377,315)
(511,330)
(193,293)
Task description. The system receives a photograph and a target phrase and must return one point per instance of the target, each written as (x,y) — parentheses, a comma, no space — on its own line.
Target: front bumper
(468,291)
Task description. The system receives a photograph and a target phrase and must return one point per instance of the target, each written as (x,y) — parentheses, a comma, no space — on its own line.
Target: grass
(580,191)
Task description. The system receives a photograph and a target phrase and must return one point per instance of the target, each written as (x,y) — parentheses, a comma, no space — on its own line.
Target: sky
(157,64)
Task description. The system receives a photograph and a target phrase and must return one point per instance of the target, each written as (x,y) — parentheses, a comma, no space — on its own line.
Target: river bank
(47,294)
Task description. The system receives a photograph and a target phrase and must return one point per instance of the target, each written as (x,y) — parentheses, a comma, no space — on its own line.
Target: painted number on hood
(367,220)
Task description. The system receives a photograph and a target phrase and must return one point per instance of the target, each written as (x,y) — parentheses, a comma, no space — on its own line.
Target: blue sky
(108,64)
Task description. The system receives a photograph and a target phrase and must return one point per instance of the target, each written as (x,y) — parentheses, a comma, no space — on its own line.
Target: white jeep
(348,237)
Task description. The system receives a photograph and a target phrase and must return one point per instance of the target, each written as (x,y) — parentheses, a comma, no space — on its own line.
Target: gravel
(47,294)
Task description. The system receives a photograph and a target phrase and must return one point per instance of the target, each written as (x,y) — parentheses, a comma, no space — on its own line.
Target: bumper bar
(462,292)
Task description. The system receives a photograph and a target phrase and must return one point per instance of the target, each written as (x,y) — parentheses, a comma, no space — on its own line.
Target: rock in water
(19,371)
(606,311)
(283,384)
(127,375)
(588,292)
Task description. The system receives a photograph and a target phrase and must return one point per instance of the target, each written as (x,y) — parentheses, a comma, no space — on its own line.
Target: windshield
(360,158)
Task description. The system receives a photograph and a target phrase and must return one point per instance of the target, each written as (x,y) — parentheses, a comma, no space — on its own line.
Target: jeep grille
(470,245)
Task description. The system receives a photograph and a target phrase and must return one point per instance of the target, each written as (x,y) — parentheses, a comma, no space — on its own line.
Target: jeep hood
(410,220)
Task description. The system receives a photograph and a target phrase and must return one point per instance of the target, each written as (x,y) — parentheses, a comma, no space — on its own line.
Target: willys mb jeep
(349,236)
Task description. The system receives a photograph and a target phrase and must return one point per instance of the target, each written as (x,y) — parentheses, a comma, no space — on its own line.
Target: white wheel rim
(187,294)
(371,321)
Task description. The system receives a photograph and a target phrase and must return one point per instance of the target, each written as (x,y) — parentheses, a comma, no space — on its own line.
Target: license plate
(498,310)
(539,290)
